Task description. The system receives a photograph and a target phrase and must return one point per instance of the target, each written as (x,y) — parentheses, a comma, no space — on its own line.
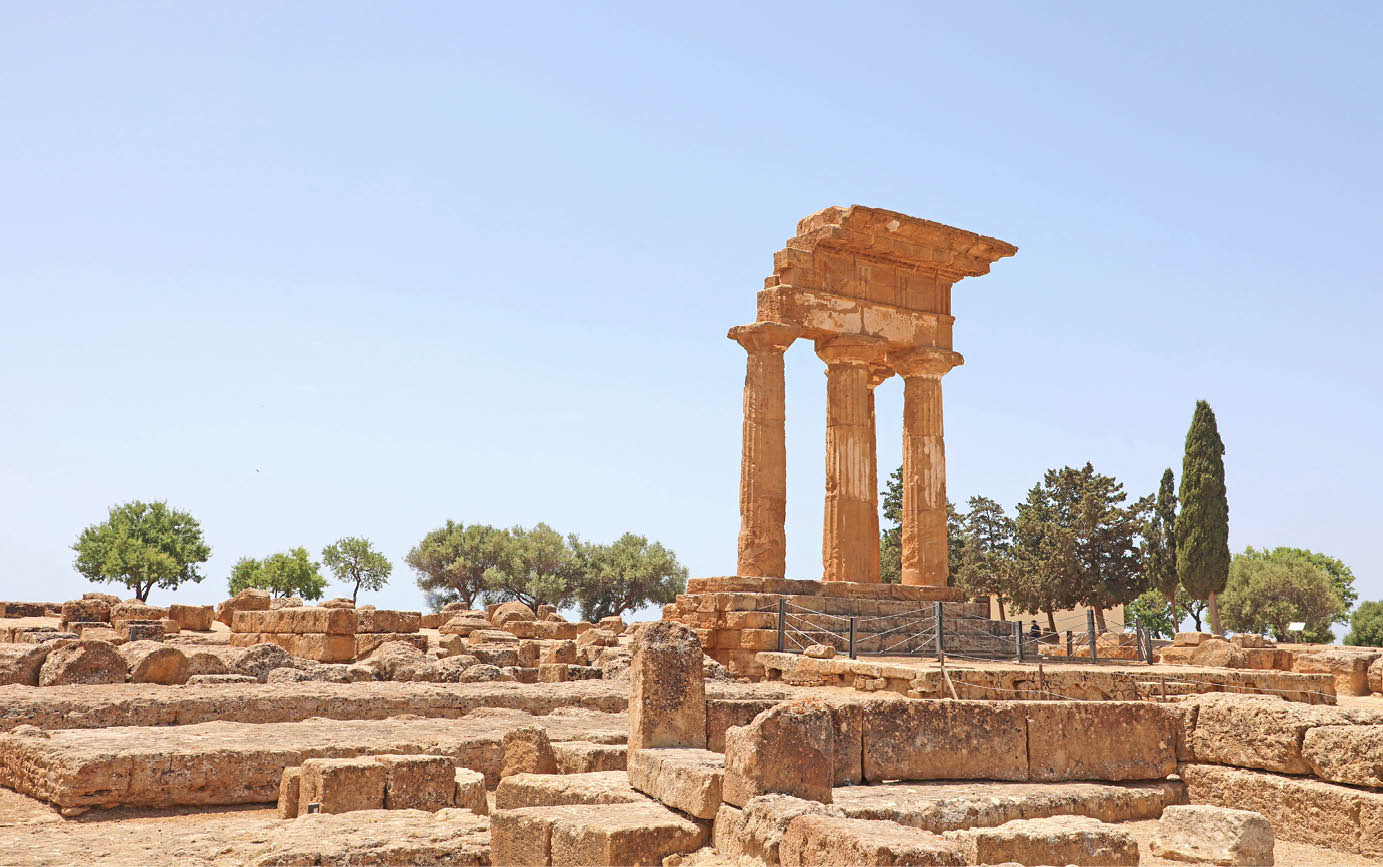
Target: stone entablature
(872,289)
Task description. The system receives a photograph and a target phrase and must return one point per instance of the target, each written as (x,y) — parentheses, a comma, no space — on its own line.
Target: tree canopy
(1160,541)
(142,545)
(1366,625)
(1202,527)
(292,573)
(537,569)
(982,549)
(354,561)
(891,532)
(451,562)
(629,572)
(1264,596)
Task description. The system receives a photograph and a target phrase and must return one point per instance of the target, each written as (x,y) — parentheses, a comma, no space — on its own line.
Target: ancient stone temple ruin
(872,290)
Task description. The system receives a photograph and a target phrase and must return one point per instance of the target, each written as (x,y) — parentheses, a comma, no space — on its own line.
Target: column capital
(867,351)
(878,373)
(925,361)
(762,336)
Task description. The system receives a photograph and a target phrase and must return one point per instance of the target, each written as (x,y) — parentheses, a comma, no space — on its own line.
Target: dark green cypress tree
(1160,541)
(1202,528)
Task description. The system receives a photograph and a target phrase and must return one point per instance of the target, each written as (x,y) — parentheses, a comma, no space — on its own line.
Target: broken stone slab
(194,618)
(722,713)
(72,662)
(20,663)
(258,660)
(367,642)
(825,841)
(527,750)
(924,739)
(241,763)
(755,832)
(154,662)
(1349,668)
(1300,809)
(550,790)
(1262,732)
(290,786)
(1351,754)
(951,806)
(582,757)
(217,679)
(341,785)
(448,836)
(249,599)
(469,791)
(683,778)
(1078,840)
(788,749)
(1205,834)
(667,697)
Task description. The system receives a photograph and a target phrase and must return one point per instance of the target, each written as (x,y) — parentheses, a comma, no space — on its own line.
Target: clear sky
(314,270)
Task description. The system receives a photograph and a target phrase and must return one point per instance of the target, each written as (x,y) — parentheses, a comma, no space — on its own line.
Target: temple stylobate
(872,290)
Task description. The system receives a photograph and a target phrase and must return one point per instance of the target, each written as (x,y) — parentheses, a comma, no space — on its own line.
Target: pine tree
(1160,541)
(1202,528)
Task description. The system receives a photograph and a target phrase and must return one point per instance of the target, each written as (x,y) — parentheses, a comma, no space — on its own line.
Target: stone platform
(223,763)
(736,617)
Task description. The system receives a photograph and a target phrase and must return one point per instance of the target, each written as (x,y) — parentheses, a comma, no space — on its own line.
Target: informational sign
(1296,626)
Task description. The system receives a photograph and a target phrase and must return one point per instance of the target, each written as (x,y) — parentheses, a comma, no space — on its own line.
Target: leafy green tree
(292,573)
(982,551)
(142,545)
(538,569)
(354,560)
(1160,542)
(1264,595)
(1366,626)
(1341,578)
(1154,613)
(1076,543)
(451,562)
(624,575)
(1202,528)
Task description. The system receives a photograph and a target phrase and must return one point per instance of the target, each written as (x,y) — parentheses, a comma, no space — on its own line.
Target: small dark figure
(1034,632)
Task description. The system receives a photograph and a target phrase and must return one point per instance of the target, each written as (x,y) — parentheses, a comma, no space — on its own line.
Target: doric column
(763,459)
(876,376)
(924,463)
(847,551)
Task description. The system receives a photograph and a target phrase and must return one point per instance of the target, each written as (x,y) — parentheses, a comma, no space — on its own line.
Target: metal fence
(931,631)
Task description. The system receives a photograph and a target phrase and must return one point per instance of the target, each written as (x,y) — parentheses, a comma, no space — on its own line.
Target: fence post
(936,615)
(852,638)
(782,610)
(1018,640)
(1138,633)
(1070,644)
(1090,630)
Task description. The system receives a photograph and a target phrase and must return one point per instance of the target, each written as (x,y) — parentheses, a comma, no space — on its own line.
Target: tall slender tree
(1160,541)
(1202,527)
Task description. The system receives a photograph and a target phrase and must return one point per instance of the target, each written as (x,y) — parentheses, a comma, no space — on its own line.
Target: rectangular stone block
(386,620)
(827,841)
(582,757)
(1350,754)
(418,782)
(341,785)
(923,739)
(433,619)
(196,618)
(1078,840)
(1300,809)
(1100,740)
(552,790)
(685,779)
(469,793)
(492,636)
(667,697)
(1257,731)
(552,672)
(288,793)
(330,621)
(639,835)
(523,836)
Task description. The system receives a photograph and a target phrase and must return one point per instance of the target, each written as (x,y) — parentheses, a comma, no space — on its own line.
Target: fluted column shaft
(848,552)
(876,376)
(924,552)
(763,457)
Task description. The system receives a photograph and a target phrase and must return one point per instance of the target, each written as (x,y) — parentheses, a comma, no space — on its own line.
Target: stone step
(593,834)
(683,778)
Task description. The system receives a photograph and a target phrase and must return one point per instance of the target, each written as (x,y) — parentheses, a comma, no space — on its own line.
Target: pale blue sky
(311,270)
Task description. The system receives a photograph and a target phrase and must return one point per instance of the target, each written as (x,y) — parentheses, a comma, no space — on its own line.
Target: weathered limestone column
(876,376)
(763,459)
(847,551)
(924,463)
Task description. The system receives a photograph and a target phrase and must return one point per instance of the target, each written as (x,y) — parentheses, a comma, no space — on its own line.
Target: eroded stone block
(667,700)
(788,749)
(1057,840)
(683,778)
(1214,835)
(341,785)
